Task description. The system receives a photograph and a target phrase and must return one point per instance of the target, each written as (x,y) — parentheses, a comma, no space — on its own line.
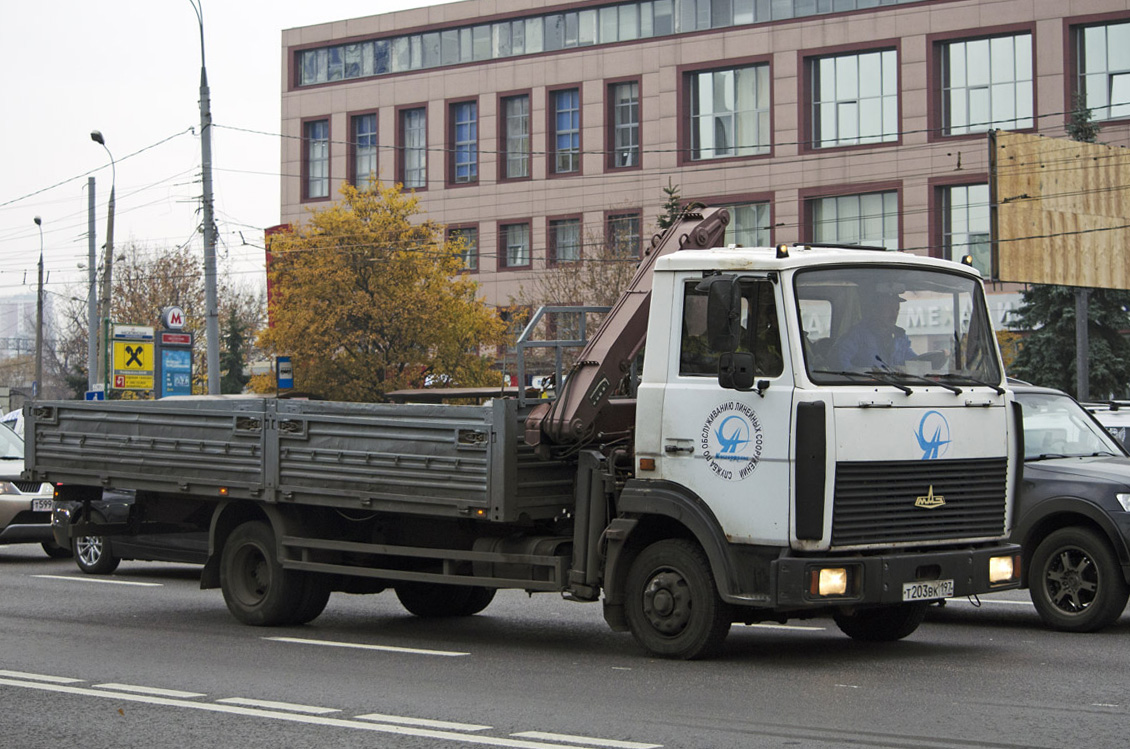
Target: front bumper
(880,579)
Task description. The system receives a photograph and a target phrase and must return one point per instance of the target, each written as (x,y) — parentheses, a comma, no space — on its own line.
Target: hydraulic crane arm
(582,401)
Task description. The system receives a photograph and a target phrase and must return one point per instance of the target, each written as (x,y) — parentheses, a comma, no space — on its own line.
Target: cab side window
(760,331)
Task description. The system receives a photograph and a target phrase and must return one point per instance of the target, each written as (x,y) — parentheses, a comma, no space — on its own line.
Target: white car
(25,507)
(1115,416)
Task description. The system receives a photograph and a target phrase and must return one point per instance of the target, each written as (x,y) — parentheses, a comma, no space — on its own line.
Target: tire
(94,555)
(436,600)
(672,604)
(1076,582)
(55,551)
(883,623)
(315,596)
(257,590)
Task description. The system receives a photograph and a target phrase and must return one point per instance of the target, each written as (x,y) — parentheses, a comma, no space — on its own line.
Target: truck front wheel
(883,623)
(671,602)
(1076,581)
(257,590)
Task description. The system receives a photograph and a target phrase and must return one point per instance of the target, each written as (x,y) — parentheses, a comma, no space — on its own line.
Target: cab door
(729,447)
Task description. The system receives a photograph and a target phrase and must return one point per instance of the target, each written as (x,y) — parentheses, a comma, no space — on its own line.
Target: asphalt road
(144,658)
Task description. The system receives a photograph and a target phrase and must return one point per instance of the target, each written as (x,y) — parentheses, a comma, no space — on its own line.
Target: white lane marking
(405,721)
(270,705)
(359,646)
(584,740)
(100,580)
(152,691)
(40,677)
(317,720)
(984,601)
(763,625)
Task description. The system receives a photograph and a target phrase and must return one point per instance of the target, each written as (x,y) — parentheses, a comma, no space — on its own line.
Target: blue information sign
(176,370)
(284,372)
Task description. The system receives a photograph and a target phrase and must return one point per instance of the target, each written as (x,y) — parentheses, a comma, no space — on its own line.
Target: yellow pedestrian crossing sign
(133,363)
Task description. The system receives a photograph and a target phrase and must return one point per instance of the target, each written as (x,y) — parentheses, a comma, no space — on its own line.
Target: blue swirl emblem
(933,435)
(738,436)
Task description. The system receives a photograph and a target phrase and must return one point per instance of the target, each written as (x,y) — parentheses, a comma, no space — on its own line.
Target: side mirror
(736,370)
(723,311)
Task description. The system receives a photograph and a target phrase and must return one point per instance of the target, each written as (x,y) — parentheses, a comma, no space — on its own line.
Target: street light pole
(107,276)
(35,388)
(212,320)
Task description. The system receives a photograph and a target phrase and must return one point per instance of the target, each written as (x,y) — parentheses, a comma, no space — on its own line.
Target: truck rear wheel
(883,623)
(257,590)
(672,605)
(433,600)
(94,555)
(315,596)
(1076,581)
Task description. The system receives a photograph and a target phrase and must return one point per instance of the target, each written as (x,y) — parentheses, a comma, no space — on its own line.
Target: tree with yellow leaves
(366,300)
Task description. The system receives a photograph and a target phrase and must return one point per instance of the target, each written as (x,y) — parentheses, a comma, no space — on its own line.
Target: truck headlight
(1124,500)
(830,581)
(1002,569)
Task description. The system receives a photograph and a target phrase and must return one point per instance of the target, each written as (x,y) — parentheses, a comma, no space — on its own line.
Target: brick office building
(533,126)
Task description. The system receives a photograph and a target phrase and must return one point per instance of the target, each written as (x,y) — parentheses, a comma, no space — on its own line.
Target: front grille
(28,487)
(875,502)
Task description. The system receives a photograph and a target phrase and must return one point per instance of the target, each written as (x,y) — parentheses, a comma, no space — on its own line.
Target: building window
(749,225)
(729,111)
(565,131)
(855,99)
(870,219)
(516,136)
(317,137)
(414,148)
(464,143)
(364,150)
(624,117)
(987,84)
(515,241)
(565,240)
(965,224)
(623,235)
(468,237)
(1104,69)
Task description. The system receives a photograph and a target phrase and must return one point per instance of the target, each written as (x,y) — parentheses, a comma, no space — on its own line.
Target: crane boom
(582,401)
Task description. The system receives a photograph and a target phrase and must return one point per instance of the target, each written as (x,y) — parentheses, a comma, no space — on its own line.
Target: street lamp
(212,319)
(39,319)
(107,277)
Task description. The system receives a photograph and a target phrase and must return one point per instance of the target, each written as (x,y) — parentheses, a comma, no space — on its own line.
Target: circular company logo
(933,435)
(731,441)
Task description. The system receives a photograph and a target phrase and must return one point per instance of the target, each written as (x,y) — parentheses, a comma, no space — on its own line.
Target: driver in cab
(875,342)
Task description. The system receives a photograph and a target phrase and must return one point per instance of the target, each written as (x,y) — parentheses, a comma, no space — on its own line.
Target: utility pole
(92,294)
(107,276)
(212,327)
(36,388)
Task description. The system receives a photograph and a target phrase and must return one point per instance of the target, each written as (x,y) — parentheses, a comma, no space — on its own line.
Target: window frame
(685,105)
(610,126)
(307,144)
(1073,72)
(503,258)
(355,145)
(615,214)
(808,61)
(452,229)
(504,135)
(755,198)
(402,148)
(936,77)
(551,259)
(454,145)
(807,196)
(551,131)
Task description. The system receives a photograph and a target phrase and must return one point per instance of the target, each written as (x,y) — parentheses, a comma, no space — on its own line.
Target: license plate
(927,591)
(42,505)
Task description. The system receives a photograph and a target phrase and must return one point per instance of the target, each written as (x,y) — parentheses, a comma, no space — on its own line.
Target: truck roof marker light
(967,260)
(782,251)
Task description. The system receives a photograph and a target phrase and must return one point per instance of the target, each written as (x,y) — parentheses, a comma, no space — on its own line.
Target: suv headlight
(7,487)
(1124,500)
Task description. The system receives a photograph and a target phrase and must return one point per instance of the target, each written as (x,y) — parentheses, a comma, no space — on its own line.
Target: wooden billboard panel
(1062,211)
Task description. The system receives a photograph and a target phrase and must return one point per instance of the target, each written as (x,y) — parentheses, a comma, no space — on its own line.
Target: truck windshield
(895,324)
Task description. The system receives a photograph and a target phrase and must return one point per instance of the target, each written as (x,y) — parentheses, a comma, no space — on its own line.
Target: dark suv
(1073,513)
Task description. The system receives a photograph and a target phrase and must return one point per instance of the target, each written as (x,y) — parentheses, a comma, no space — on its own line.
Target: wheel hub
(667,603)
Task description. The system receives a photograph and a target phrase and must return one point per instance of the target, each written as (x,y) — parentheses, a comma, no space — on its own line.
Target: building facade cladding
(803,116)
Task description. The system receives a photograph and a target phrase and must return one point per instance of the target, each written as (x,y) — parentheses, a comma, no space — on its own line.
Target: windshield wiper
(874,375)
(968,380)
(928,380)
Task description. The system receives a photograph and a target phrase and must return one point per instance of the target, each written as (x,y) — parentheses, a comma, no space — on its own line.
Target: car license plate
(41,505)
(927,591)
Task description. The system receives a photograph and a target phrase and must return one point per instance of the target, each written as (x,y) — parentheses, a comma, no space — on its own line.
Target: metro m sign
(172,318)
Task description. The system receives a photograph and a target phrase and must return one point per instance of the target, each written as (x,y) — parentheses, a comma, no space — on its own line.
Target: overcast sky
(131,69)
